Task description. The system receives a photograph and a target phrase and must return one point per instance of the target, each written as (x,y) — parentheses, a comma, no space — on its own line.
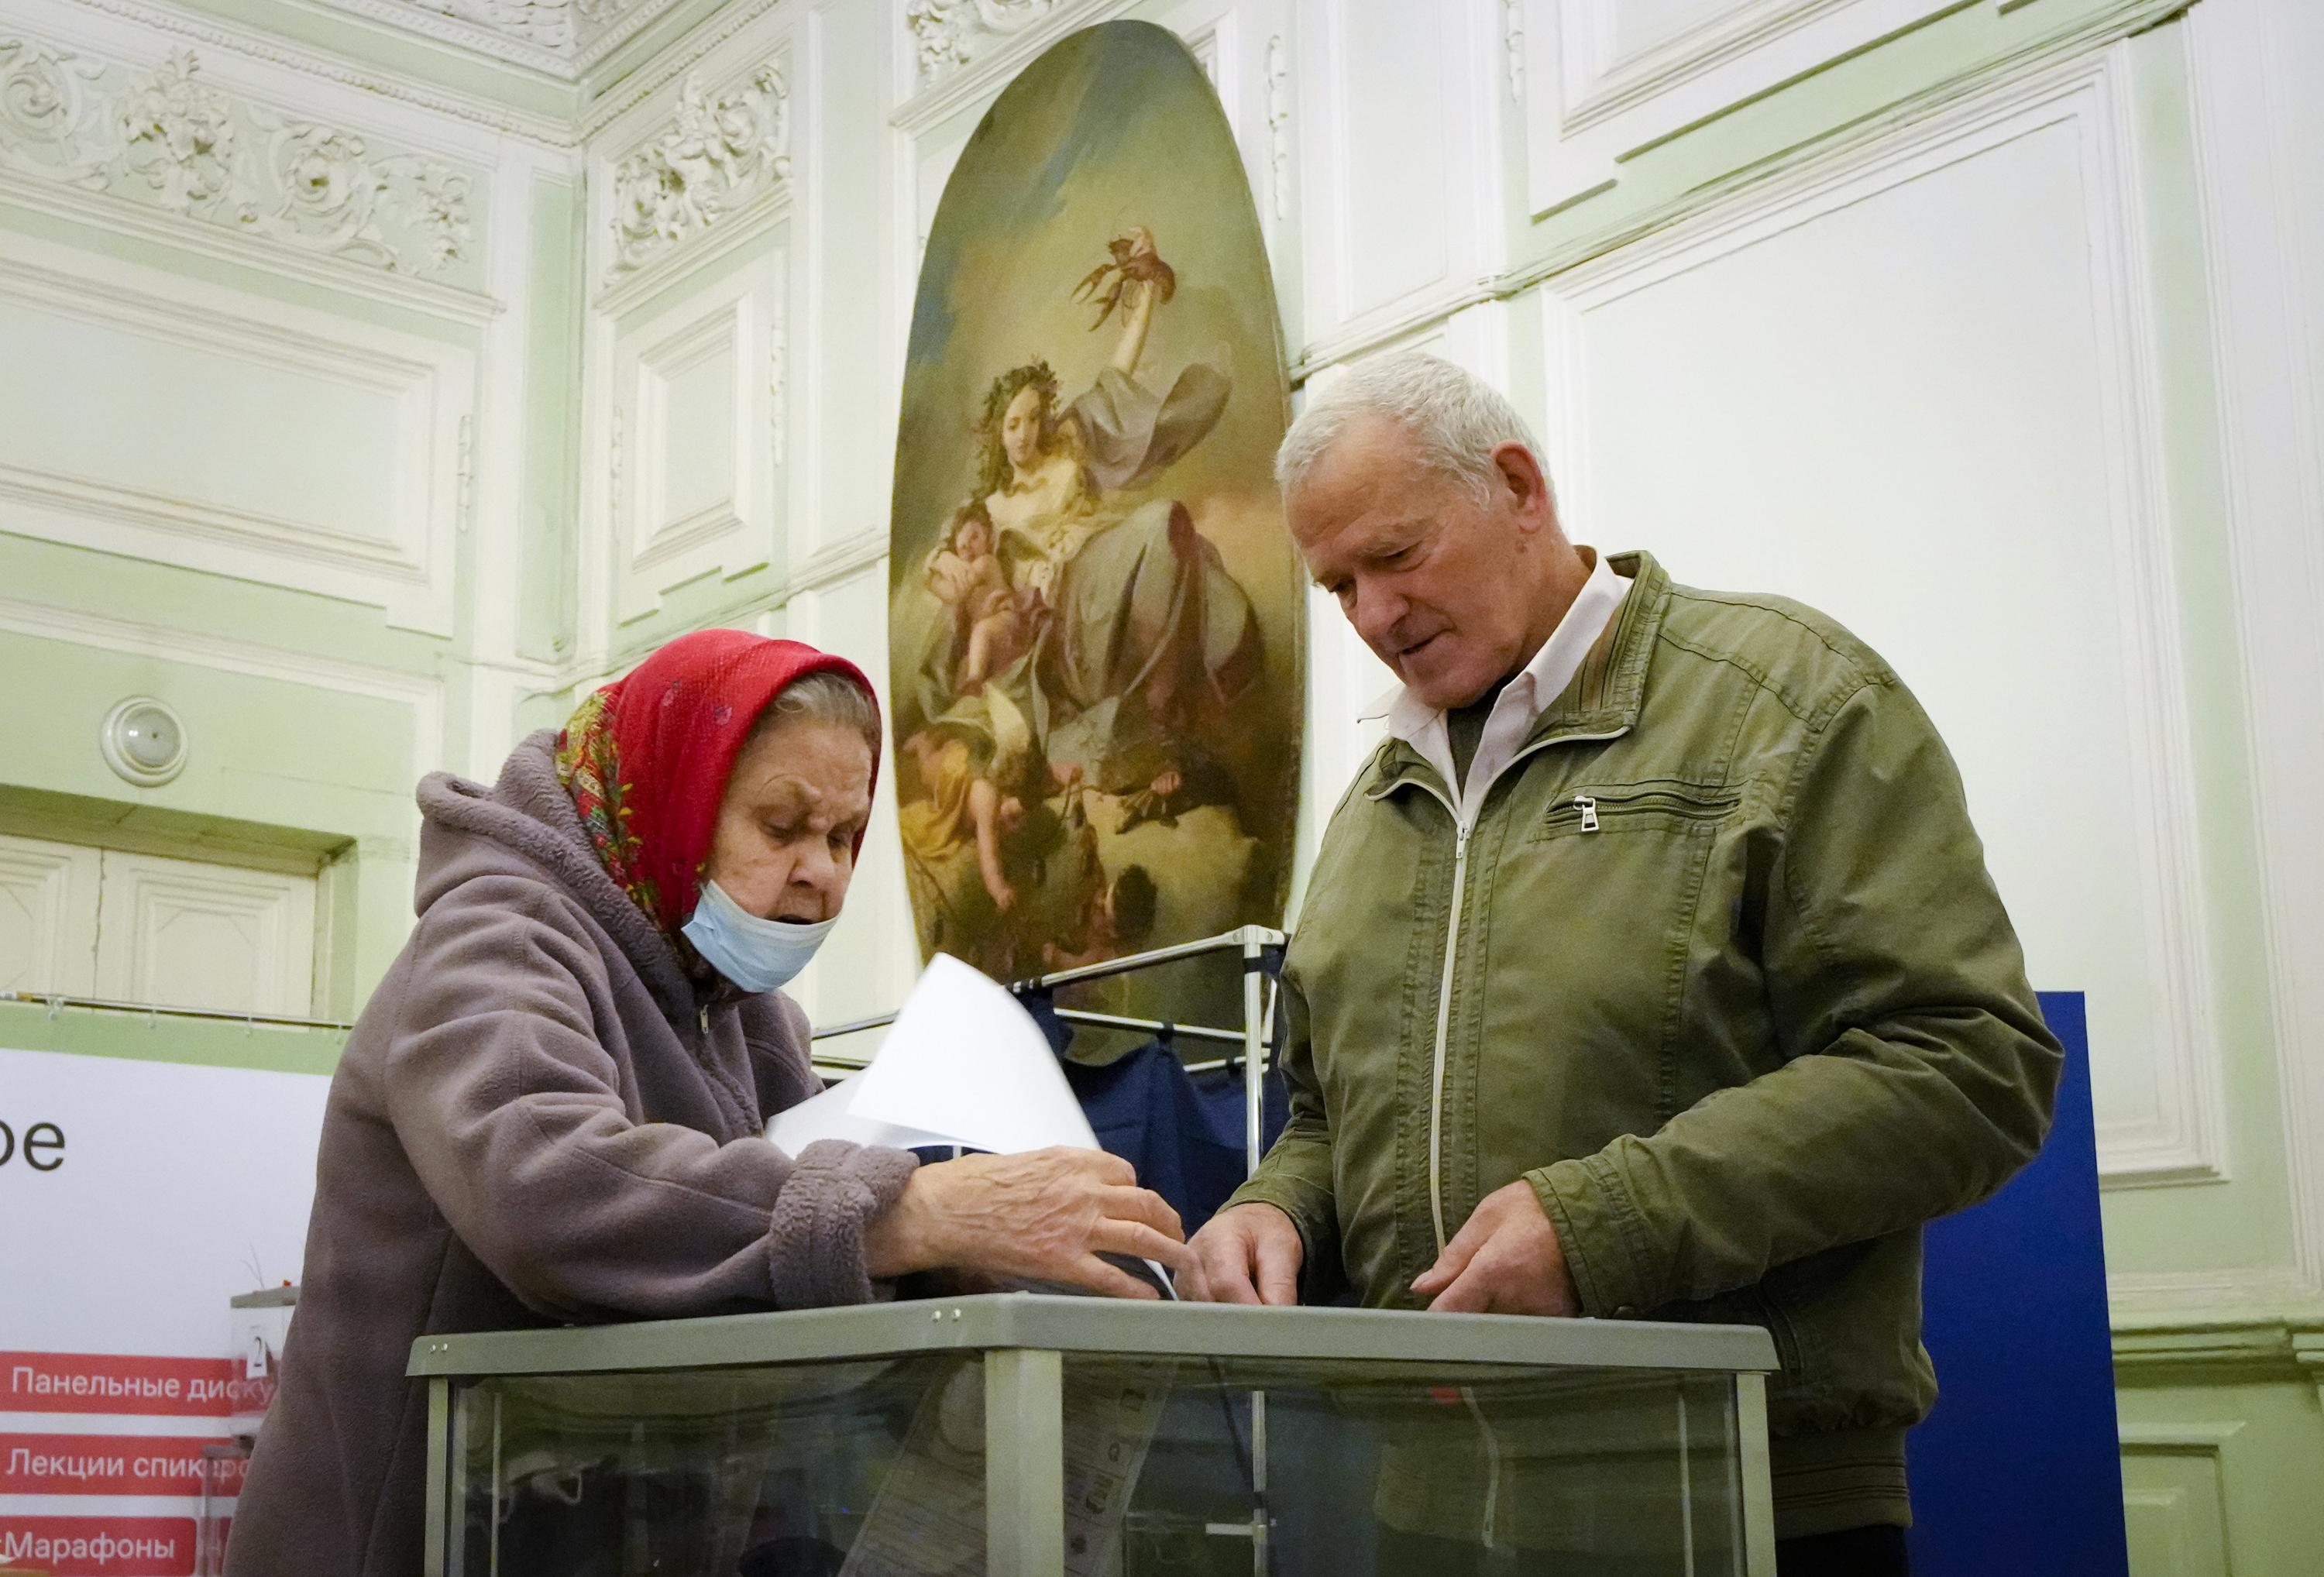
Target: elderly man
(1650,968)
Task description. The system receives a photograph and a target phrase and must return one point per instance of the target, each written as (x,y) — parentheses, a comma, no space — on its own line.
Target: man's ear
(1525,485)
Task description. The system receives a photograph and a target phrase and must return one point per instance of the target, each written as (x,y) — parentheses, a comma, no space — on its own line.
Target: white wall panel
(2252,70)
(694,387)
(1911,389)
(153,416)
(1398,157)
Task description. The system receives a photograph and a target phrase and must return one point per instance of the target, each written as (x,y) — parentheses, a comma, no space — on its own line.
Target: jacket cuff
(1596,1231)
(815,1247)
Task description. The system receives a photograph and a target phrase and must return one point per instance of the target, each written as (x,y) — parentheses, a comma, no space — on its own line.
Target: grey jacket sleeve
(511,1112)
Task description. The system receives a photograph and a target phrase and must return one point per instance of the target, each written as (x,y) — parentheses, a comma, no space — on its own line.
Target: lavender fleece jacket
(536,1122)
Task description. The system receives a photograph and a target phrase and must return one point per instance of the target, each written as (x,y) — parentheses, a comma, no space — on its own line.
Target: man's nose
(1375,612)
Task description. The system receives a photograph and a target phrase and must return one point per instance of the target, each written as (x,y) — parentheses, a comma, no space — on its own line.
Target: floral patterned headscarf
(646,758)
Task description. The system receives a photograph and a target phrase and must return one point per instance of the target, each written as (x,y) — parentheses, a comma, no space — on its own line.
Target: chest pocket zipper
(1635,809)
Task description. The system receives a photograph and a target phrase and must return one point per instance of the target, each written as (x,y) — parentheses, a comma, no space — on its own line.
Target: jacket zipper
(1461,829)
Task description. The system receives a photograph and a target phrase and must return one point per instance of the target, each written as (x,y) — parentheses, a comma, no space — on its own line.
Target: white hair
(825,695)
(1455,418)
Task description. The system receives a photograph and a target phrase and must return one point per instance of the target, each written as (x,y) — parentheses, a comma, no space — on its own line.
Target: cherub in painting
(994,623)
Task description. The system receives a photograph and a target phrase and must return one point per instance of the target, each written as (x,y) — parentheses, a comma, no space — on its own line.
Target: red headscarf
(647,758)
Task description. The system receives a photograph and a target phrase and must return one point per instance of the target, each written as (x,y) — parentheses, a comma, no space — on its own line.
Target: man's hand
(1247,1254)
(1505,1260)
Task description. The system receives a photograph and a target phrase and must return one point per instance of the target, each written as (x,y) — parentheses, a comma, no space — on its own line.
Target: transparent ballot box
(1024,1435)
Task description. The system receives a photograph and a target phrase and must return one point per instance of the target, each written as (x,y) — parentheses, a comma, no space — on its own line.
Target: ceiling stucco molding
(535,34)
(546,129)
(561,37)
(669,66)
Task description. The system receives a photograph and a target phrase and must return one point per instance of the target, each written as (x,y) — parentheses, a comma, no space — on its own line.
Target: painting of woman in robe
(1096,611)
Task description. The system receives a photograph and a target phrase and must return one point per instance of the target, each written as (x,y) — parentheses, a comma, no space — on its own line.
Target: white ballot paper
(963,1064)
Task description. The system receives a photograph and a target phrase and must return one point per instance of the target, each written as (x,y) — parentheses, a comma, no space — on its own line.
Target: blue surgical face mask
(756,955)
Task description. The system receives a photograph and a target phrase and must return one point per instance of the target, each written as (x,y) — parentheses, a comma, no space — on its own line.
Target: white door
(133,928)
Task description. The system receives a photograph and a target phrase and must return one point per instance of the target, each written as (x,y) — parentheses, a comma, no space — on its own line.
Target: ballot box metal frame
(1025,1339)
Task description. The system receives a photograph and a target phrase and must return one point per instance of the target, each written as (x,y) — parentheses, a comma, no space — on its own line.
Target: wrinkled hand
(1046,1215)
(1506,1259)
(1245,1254)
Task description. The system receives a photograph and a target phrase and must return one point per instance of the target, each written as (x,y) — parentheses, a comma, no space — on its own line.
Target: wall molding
(1597,102)
(1609,84)
(2278,1345)
(832,565)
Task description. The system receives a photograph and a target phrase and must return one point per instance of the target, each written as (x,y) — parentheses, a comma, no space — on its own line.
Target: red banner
(113,1464)
(97,1546)
(122,1384)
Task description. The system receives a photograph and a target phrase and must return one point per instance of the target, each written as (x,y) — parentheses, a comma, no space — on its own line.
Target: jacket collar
(1604,698)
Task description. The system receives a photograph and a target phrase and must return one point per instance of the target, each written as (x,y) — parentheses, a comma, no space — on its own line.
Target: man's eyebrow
(1400,531)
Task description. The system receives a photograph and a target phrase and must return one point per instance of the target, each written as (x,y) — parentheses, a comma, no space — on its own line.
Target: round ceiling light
(144,742)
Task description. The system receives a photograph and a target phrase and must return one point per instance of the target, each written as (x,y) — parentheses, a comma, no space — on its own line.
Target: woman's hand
(1046,1216)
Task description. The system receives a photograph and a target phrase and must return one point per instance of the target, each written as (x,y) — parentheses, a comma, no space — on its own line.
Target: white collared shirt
(1522,700)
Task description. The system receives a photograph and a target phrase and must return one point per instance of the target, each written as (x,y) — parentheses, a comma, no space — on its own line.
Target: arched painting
(1096,611)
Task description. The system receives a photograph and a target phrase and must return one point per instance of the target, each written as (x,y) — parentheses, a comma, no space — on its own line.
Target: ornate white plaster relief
(947,34)
(165,139)
(717,156)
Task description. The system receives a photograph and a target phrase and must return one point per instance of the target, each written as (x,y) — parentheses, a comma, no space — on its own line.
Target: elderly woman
(551,1109)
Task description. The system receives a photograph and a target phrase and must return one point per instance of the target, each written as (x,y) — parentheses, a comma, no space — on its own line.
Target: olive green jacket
(1720,971)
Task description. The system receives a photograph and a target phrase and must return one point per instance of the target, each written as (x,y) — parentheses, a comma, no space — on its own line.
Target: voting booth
(1038,1435)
